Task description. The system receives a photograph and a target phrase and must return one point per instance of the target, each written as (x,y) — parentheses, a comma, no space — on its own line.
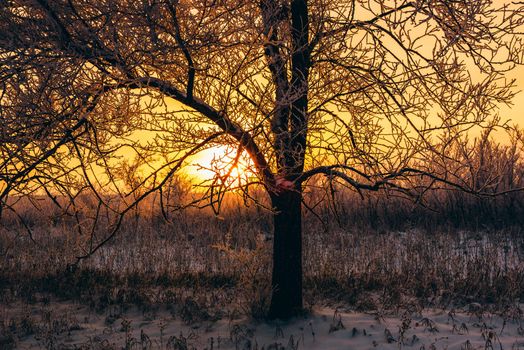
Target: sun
(221,165)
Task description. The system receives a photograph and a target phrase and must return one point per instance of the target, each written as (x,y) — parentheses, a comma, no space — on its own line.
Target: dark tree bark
(286,298)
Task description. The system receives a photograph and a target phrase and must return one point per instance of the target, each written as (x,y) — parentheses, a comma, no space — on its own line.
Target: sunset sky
(198,169)
(516,112)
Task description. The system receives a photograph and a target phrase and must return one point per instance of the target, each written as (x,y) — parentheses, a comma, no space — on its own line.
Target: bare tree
(361,91)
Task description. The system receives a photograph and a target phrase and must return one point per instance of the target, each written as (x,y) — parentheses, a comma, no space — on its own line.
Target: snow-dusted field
(72,326)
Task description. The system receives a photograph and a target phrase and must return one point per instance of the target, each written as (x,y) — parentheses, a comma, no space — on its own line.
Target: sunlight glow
(220,165)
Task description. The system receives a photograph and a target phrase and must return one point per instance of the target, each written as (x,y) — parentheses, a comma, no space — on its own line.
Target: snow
(68,325)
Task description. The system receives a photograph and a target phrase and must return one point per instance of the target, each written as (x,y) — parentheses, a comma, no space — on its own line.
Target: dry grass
(353,259)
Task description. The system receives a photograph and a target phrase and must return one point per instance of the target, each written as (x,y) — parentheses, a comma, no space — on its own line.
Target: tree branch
(271,16)
(387,179)
(217,117)
(185,50)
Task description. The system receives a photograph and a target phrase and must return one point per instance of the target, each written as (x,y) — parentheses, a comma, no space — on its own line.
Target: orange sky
(516,112)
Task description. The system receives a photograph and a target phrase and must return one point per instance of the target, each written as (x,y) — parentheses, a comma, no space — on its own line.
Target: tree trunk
(286,300)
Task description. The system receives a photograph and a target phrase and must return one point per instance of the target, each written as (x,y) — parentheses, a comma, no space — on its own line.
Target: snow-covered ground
(71,326)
